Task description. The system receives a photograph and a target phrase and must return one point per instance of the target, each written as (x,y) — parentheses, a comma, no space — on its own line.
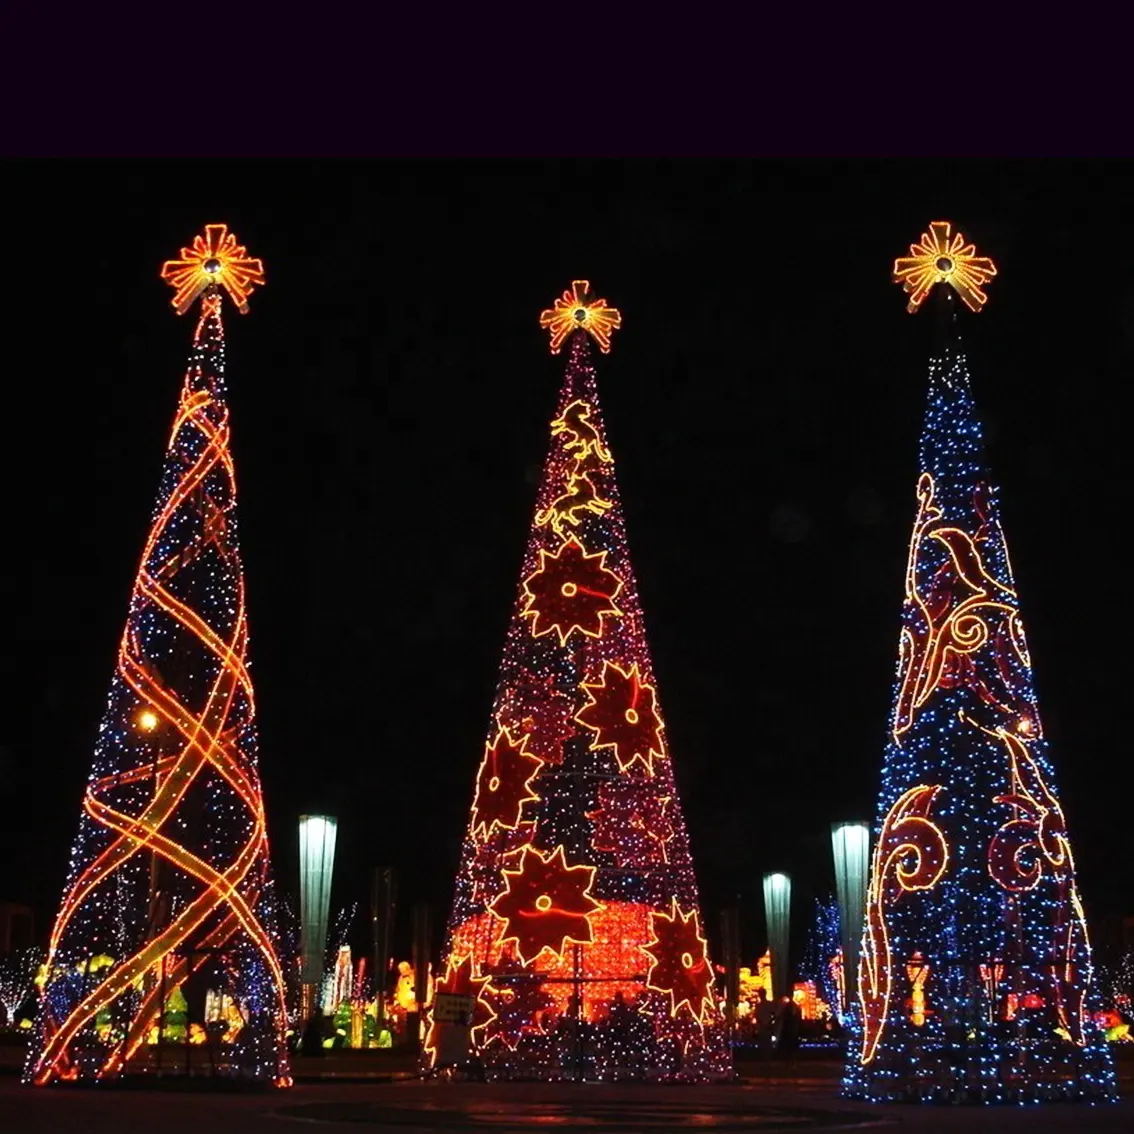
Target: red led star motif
(487,881)
(213,258)
(632,822)
(623,715)
(546,904)
(536,707)
(569,591)
(459,981)
(576,310)
(941,259)
(679,961)
(503,784)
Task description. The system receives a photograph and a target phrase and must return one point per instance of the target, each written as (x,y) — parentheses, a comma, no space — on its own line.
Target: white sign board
(448,1008)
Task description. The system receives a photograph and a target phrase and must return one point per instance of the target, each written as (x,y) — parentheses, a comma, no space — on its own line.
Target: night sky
(391,392)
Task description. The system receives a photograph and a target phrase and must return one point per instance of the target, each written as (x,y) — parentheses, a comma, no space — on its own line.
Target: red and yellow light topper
(213,258)
(546,904)
(570,591)
(939,258)
(503,784)
(622,713)
(679,962)
(576,310)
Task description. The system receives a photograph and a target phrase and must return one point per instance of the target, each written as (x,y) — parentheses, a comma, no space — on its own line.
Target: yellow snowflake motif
(575,309)
(213,258)
(941,259)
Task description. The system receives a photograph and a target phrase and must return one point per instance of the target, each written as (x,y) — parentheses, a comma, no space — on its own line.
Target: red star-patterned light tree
(576,929)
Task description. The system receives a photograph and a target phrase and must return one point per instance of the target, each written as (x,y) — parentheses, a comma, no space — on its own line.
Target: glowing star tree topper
(575,310)
(941,258)
(214,257)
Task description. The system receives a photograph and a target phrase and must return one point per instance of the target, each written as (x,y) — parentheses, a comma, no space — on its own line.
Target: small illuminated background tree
(168,905)
(575,938)
(975,969)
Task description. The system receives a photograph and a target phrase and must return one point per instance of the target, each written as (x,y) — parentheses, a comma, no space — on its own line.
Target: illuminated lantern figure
(169,879)
(917,971)
(576,911)
(972,877)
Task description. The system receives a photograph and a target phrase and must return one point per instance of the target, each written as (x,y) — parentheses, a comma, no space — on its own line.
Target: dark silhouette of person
(788,1021)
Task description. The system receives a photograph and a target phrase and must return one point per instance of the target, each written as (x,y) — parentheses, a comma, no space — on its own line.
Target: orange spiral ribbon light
(170,875)
(943,258)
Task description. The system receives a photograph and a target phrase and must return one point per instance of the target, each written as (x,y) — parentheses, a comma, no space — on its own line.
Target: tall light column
(850,846)
(777,914)
(316,866)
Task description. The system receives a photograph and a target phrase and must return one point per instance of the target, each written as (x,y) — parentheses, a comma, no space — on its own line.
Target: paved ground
(410,1107)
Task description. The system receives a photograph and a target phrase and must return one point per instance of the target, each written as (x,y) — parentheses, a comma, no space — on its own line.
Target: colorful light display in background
(575,944)
(975,967)
(168,906)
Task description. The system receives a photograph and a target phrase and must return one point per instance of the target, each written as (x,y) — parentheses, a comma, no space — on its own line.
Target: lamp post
(316,865)
(850,845)
(777,914)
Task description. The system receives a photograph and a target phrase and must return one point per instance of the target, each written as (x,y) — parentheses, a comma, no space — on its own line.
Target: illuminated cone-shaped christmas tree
(576,947)
(975,966)
(165,938)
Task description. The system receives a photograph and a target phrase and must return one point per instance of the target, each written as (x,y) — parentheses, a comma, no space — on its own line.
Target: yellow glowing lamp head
(214,258)
(576,310)
(147,720)
(943,257)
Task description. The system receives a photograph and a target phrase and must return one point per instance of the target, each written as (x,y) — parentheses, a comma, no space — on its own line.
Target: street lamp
(316,865)
(777,914)
(850,845)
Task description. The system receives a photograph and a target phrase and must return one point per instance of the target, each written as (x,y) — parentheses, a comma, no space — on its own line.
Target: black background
(763,403)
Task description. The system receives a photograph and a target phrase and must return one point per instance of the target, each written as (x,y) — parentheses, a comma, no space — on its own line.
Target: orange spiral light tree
(162,956)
